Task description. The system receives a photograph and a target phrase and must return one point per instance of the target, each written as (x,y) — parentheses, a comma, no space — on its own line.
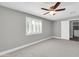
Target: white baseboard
(23,46)
(59,37)
(20,47)
(56,37)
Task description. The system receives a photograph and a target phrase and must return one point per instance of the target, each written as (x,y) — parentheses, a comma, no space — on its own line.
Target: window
(33,26)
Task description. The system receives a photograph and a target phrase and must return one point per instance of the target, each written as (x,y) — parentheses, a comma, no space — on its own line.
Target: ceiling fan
(53,9)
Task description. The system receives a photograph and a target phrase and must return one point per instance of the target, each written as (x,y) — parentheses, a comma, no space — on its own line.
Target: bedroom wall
(56,28)
(60,29)
(12,29)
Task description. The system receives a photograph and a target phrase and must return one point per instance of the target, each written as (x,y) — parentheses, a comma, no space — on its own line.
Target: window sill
(33,34)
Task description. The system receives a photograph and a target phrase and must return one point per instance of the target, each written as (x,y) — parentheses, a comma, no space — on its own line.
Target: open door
(74,30)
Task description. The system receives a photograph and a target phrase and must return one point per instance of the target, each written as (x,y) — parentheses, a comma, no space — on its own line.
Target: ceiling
(34,8)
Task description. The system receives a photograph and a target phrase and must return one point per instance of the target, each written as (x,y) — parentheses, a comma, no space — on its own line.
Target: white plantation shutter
(33,26)
(40,25)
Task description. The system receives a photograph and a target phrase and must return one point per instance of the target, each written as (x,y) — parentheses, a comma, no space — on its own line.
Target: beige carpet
(49,48)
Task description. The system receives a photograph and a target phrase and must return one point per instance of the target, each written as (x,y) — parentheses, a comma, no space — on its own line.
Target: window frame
(32,27)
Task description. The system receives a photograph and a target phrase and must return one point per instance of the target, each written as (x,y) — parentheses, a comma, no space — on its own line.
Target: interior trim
(23,46)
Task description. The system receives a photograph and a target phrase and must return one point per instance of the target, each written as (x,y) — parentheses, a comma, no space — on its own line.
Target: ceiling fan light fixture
(53,9)
(52,12)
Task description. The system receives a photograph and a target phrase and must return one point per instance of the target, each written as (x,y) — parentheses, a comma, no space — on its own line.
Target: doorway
(74,30)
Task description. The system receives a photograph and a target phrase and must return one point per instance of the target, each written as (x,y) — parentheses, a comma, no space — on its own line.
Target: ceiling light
(52,12)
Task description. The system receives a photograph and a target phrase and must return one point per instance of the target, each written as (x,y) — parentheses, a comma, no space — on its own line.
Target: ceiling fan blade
(56,5)
(46,13)
(45,9)
(60,9)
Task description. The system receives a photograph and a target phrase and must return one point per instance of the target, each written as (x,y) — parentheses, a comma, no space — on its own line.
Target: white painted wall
(56,28)
(13,29)
(65,30)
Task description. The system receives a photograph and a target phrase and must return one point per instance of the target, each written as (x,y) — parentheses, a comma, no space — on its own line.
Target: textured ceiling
(34,8)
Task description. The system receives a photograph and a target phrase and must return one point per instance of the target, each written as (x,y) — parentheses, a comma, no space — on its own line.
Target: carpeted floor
(49,48)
